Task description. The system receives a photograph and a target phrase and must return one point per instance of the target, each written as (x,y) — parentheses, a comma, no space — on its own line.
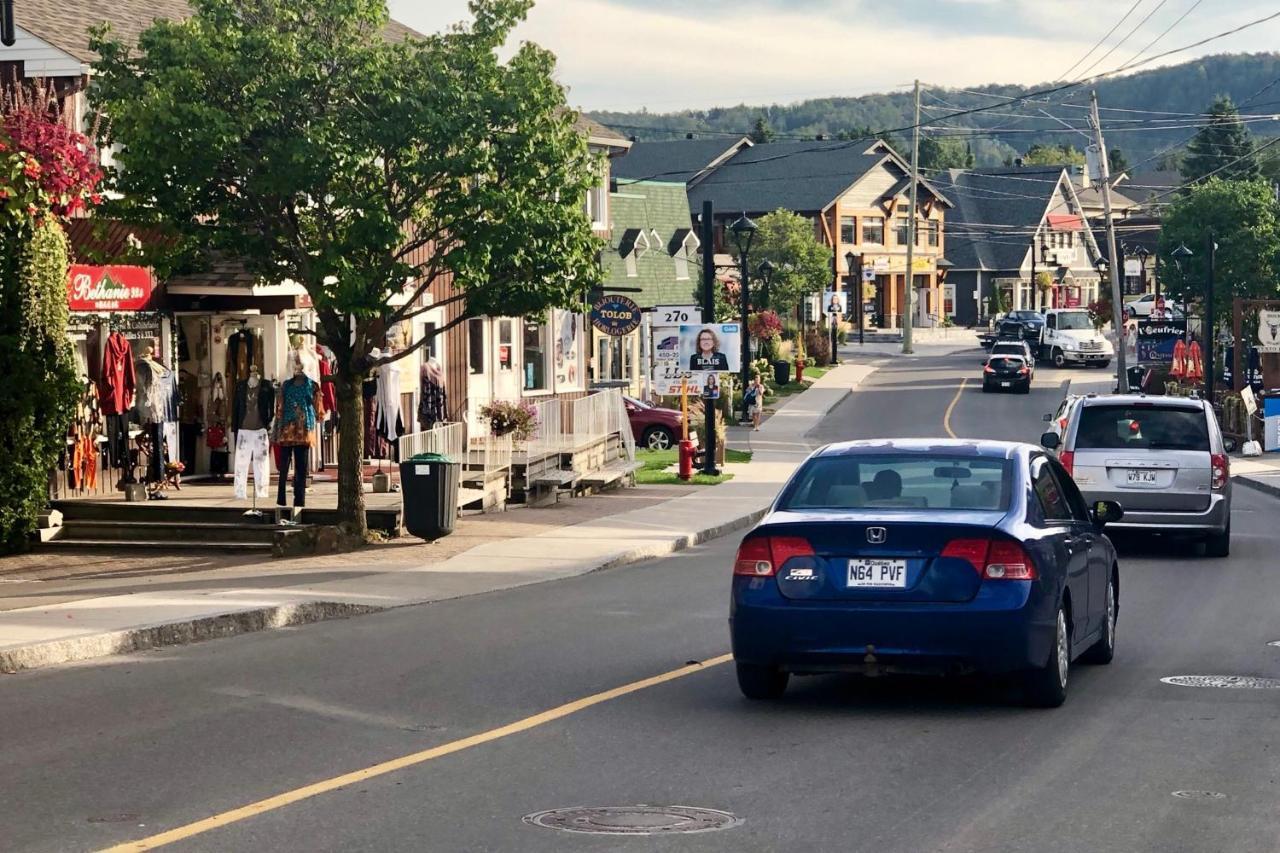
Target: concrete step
(152,545)
(170,531)
(385,520)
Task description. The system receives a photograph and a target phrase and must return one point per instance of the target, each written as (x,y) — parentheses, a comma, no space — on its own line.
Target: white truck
(1068,337)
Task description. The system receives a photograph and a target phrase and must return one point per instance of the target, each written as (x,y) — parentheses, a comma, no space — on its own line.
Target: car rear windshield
(1011,363)
(1137,427)
(1015,349)
(903,481)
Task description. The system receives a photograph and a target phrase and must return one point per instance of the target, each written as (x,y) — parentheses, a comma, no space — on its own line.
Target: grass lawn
(655,461)
(810,373)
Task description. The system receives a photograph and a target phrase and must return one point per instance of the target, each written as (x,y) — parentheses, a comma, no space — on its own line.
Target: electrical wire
(1098,44)
(1127,36)
(1168,30)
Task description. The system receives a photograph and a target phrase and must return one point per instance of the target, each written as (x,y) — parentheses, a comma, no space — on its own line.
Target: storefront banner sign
(615,315)
(1157,338)
(714,346)
(833,303)
(568,349)
(109,288)
(676,315)
(898,263)
(868,274)
(1132,267)
(1269,328)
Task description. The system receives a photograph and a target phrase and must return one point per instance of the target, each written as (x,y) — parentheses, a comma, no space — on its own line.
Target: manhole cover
(1200,795)
(633,820)
(1228,681)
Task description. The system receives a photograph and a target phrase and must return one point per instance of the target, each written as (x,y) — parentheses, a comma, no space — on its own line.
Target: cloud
(674,54)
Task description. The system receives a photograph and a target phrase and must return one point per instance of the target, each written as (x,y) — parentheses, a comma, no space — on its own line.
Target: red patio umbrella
(1178,368)
(1195,363)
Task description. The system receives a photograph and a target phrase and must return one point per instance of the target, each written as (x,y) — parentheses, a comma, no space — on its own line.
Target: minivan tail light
(1221,471)
(1067,458)
(762,556)
(993,559)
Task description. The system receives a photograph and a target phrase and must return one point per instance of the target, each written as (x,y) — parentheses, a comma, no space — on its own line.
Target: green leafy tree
(761,131)
(939,154)
(1244,218)
(1117,161)
(1224,147)
(1053,155)
(301,138)
(801,263)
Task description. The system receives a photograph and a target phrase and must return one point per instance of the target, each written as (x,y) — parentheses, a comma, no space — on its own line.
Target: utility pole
(709,316)
(911,230)
(1117,312)
(1208,332)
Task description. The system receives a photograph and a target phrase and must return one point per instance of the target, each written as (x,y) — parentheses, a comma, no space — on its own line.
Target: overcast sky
(673,54)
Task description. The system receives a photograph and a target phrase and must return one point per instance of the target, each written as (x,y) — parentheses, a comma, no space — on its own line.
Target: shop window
(873,230)
(475,345)
(597,206)
(848,229)
(536,354)
(505,345)
(935,232)
(901,226)
(431,349)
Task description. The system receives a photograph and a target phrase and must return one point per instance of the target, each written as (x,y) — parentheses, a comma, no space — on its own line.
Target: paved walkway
(90,627)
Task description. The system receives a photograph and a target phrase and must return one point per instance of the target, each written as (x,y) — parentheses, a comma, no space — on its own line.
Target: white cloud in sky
(674,54)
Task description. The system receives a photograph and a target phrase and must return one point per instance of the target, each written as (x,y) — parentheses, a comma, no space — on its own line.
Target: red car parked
(654,428)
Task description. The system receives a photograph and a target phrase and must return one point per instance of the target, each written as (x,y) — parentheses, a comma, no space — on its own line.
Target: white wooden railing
(446,439)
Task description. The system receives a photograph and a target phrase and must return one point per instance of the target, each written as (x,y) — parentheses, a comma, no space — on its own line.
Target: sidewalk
(1258,472)
(222,604)
(853,349)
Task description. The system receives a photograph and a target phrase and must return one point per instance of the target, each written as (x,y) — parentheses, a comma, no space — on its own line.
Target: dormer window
(683,247)
(634,243)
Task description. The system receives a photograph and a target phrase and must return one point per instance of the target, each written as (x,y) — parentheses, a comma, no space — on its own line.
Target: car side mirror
(1229,445)
(1050,441)
(1106,512)
(1048,416)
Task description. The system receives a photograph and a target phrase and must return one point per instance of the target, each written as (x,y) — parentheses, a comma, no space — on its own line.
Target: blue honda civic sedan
(926,556)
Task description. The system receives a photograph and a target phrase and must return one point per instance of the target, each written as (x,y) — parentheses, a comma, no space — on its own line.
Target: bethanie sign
(111,288)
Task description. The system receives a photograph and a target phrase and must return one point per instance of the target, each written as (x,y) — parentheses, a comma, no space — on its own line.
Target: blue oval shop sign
(615,315)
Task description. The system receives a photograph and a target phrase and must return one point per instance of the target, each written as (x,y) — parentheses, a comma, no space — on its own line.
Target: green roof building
(652,245)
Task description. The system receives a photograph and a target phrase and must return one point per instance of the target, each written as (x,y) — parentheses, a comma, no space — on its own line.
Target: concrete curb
(176,633)
(1258,485)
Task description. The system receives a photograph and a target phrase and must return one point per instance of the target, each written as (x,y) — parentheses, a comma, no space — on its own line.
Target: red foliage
(60,161)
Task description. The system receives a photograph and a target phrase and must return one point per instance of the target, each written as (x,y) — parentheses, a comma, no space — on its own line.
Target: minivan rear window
(1137,427)
(902,481)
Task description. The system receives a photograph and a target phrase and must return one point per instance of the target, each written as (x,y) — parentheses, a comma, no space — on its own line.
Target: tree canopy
(1244,218)
(1064,154)
(941,154)
(801,263)
(301,138)
(1224,147)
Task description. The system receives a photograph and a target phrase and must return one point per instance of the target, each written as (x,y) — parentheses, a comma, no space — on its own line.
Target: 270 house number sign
(615,315)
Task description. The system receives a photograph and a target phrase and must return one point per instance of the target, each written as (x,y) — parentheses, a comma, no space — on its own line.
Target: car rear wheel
(1059,359)
(1103,651)
(1133,313)
(1218,544)
(659,438)
(986,389)
(1046,686)
(762,682)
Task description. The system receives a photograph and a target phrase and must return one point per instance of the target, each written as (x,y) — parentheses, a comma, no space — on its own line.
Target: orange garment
(89,461)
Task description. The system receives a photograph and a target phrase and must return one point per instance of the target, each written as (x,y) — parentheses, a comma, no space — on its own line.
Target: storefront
(615,344)
(509,358)
(890,282)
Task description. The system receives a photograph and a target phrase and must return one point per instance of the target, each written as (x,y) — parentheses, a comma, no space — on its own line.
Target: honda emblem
(876,535)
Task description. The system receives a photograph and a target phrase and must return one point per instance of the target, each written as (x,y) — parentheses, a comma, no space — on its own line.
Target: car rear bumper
(1213,520)
(1086,357)
(1007,627)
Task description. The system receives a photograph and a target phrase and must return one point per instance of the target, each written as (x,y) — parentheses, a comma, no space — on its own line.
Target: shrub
(817,344)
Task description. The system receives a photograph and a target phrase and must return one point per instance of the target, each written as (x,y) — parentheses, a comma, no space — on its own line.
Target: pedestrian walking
(754,399)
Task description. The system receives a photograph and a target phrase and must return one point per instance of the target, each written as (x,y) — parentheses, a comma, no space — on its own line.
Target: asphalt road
(105,753)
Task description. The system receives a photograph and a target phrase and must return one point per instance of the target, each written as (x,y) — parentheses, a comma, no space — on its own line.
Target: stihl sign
(113,288)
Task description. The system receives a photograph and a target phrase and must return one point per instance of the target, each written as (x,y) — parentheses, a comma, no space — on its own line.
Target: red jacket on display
(115,389)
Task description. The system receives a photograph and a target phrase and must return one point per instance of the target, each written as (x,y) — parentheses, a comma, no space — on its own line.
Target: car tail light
(988,369)
(1068,459)
(762,556)
(1023,371)
(1221,471)
(993,559)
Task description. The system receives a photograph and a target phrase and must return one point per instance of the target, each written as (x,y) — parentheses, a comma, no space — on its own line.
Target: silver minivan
(1162,458)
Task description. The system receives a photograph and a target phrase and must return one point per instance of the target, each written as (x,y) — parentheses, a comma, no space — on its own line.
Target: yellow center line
(946,419)
(332,784)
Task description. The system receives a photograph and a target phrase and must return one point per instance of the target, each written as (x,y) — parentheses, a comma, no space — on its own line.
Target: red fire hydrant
(687,454)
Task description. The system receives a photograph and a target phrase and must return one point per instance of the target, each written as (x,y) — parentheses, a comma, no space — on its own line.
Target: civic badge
(876,535)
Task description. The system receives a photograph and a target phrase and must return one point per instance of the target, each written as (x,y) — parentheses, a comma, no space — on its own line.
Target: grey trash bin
(782,373)
(429,495)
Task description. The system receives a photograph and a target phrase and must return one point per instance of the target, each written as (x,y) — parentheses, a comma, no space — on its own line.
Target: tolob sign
(111,288)
(615,315)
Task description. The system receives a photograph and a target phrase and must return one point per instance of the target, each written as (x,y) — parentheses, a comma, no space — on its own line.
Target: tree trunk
(351,513)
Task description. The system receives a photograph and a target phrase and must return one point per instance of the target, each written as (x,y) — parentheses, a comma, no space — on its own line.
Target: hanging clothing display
(156,404)
(119,381)
(251,450)
(254,407)
(432,400)
(390,424)
(374,446)
(244,350)
(327,392)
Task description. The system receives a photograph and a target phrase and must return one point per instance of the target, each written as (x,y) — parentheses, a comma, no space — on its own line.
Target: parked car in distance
(926,556)
(653,427)
(1164,458)
(1006,373)
(1018,347)
(1145,304)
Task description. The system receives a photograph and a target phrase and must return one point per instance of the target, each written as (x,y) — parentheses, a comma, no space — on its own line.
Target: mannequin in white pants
(252,446)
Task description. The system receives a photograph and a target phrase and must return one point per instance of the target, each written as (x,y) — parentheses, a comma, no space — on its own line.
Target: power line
(1127,36)
(1155,40)
(1089,52)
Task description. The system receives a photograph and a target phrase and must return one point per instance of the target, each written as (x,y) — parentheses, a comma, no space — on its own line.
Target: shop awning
(228,278)
(1065,222)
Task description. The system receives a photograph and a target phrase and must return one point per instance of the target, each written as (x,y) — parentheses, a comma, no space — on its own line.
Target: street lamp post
(855,276)
(744,231)
(1143,254)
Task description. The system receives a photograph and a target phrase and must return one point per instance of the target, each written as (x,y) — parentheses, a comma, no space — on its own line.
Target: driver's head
(888,484)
